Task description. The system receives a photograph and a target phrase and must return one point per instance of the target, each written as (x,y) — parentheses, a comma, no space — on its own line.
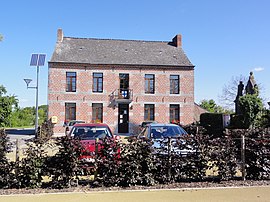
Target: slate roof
(112,51)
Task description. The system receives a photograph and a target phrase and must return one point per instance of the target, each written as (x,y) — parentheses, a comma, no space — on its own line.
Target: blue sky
(223,39)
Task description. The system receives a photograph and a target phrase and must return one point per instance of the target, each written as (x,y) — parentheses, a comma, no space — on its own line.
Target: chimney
(60,35)
(177,40)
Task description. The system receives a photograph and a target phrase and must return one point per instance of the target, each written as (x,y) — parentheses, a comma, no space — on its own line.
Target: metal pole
(243,157)
(17,158)
(169,159)
(17,151)
(96,158)
(36,123)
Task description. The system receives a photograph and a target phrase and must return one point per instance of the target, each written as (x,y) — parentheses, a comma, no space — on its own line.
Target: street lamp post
(36,60)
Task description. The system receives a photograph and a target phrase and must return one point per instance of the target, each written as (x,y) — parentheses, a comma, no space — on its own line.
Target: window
(174,113)
(149,112)
(71,82)
(97,112)
(124,81)
(70,111)
(149,83)
(174,84)
(98,82)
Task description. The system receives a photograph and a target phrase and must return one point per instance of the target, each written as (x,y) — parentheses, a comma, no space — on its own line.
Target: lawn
(222,194)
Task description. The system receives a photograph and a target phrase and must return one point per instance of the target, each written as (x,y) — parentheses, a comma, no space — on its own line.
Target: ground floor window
(70,111)
(97,112)
(174,113)
(149,112)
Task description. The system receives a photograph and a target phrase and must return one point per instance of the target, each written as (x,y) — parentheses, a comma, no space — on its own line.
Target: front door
(123,118)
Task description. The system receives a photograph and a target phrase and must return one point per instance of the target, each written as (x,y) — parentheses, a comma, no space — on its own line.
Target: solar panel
(41,59)
(37,59)
(34,60)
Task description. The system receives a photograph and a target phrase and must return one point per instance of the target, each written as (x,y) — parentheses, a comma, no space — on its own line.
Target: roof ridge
(115,39)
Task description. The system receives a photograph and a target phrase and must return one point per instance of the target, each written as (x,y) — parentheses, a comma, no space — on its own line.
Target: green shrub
(45,131)
(65,164)
(107,163)
(7,177)
(197,162)
(257,154)
(134,165)
(223,157)
(30,169)
(212,122)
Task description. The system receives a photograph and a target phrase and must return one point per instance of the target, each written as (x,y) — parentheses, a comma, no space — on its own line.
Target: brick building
(120,82)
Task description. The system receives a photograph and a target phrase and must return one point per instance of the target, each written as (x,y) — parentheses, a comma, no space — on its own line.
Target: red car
(89,133)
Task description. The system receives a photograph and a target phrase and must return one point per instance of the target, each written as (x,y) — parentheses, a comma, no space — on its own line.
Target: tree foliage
(252,107)
(11,115)
(26,116)
(7,104)
(212,107)
(23,117)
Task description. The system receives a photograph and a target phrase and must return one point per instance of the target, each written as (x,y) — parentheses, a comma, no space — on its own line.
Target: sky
(223,39)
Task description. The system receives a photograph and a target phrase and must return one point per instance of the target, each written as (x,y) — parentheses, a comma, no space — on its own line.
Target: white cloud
(258,69)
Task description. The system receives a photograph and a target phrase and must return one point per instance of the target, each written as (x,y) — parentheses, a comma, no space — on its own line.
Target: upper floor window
(97,112)
(71,81)
(70,111)
(124,81)
(174,84)
(98,82)
(149,112)
(149,83)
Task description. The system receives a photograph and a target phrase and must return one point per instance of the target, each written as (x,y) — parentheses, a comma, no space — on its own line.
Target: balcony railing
(121,96)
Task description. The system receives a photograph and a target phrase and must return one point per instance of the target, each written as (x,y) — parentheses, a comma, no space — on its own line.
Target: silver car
(160,133)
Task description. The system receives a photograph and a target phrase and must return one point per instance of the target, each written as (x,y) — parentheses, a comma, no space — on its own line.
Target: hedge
(137,162)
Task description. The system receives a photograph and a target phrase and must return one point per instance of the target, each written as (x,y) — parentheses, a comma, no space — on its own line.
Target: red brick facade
(84,97)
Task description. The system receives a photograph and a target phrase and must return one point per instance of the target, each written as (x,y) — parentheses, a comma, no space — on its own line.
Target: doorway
(123,118)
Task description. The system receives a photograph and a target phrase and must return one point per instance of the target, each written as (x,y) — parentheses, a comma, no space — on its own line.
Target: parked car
(89,135)
(145,123)
(70,124)
(160,133)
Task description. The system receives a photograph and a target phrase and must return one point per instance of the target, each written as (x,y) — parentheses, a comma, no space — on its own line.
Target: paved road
(23,131)
(20,134)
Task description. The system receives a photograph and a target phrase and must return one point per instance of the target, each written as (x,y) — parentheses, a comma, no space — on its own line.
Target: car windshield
(166,131)
(90,132)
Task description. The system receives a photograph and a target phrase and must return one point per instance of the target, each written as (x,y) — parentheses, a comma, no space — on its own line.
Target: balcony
(121,96)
